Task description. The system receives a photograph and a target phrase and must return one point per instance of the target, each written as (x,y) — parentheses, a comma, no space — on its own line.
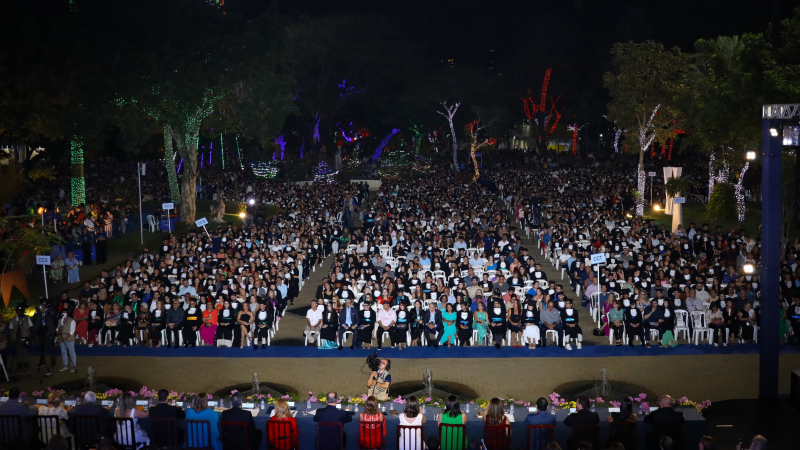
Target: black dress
(497,324)
(126,324)
(366,324)
(402,326)
(464,319)
(331,319)
(515,317)
(226,325)
(263,321)
(416,327)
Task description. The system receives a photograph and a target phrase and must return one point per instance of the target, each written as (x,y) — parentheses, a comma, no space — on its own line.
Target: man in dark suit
(582,417)
(88,408)
(164,410)
(432,325)
(541,417)
(26,413)
(237,414)
(332,414)
(665,422)
(348,321)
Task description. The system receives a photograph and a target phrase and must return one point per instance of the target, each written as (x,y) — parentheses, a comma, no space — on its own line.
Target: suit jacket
(583,417)
(332,414)
(87,410)
(237,414)
(166,411)
(426,318)
(353,316)
(664,416)
(540,418)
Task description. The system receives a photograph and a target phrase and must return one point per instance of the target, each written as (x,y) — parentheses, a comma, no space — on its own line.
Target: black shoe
(497,346)
(543,345)
(168,345)
(435,345)
(352,347)
(379,347)
(631,344)
(340,348)
(255,347)
(263,346)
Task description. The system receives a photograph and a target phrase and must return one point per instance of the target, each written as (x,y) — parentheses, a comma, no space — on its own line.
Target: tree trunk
(169,160)
(475,163)
(77,182)
(187,151)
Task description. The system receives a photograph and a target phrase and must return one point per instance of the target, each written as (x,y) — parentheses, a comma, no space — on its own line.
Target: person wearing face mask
(569,317)
(366,323)
(652,317)
(616,324)
(633,324)
(66,341)
(530,324)
(497,322)
(667,326)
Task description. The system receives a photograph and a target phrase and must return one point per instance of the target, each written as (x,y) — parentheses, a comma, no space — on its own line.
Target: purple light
(383,143)
(209,158)
(211,145)
(179,165)
(282,143)
(316,128)
(302,146)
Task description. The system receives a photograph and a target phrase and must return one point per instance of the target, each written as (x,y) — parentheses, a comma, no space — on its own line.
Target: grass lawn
(696,212)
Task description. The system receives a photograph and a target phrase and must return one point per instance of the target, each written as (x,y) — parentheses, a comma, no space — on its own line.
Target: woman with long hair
(416,323)
(369,420)
(283,413)
(495,414)
(126,409)
(479,323)
(452,415)
(411,417)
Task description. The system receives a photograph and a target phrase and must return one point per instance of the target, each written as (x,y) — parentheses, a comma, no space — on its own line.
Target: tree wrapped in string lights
(473,129)
(77,181)
(546,119)
(324,173)
(449,113)
(396,160)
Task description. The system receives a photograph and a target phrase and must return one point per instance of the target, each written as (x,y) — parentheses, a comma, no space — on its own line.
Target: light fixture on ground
(657,207)
(242,215)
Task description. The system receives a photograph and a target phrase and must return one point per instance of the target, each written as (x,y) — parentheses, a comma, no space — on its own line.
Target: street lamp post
(772,144)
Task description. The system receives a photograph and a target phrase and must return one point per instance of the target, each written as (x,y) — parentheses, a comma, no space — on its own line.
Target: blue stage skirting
(551,351)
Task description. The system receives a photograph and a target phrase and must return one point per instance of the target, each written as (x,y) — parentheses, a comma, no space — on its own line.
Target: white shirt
(314,317)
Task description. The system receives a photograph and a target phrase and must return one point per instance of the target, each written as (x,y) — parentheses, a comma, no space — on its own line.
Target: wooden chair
(11,432)
(279,435)
(624,433)
(583,433)
(452,436)
(234,436)
(539,436)
(164,433)
(124,433)
(86,431)
(330,436)
(48,426)
(410,437)
(370,435)
(198,435)
(497,437)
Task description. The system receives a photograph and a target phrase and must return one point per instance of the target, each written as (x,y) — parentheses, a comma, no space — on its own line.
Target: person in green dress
(479,323)
(449,321)
(452,438)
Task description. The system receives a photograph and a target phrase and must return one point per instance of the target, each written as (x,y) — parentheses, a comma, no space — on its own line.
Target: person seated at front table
(452,415)
(282,413)
(624,416)
(583,416)
(200,411)
(371,415)
(495,415)
(330,413)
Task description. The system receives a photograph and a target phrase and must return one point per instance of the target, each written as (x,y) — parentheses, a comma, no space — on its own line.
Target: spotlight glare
(242,215)
(251,202)
(748,268)
(751,156)
(773,132)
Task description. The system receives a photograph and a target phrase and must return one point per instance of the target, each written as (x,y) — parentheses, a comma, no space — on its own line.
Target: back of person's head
(163,394)
(666,443)
(495,412)
(759,442)
(434,443)
(553,446)
(371,406)
(331,398)
(616,446)
(126,403)
(53,399)
(625,408)
(282,409)
(236,400)
(200,402)
(13,393)
(585,446)
(90,397)
(412,407)
(57,442)
(584,401)
(541,404)
(453,408)
(707,443)
(666,401)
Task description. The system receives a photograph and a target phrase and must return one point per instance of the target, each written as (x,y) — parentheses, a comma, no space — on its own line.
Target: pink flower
(615,404)
(683,400)
(310,393)
(642,396)
(428,399)
(234,391)
(37,393)
(599,400)
(645,408)
(527,404)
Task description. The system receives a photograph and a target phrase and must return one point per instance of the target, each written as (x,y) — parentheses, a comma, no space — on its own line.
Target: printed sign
(680,200)
(200,222)
(651,174)
(43,260)
(598,258)
(167,206)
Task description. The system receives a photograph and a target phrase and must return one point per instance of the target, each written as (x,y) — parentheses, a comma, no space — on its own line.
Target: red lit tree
(546,119)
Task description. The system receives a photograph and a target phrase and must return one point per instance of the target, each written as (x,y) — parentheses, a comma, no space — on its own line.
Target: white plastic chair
(700,327)
(151,221)
(682,324)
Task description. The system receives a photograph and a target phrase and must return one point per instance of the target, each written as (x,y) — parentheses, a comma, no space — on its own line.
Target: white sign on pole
(680,200)
(201,222)
(651,174)
(167,206)
(598,258)
(43,260)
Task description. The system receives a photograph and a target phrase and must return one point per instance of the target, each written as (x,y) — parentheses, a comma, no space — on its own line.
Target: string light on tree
(281,143)
(473,130)
(536,113)
(77,181)
(647,134)
(221,150)
(574,128)
(238,152)
(324,173)
(738,192)
(383,143)
(450,112)
(266,170)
